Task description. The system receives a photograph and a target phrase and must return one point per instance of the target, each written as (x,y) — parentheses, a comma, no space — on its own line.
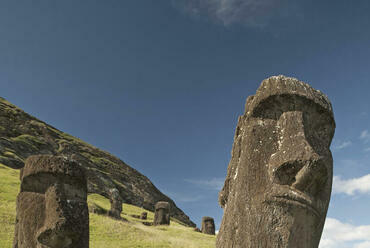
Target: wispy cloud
(178,197)
(351,186)
(342,145)
(337,234)
(367,149)
(214,183)
(365,136)
(255,13)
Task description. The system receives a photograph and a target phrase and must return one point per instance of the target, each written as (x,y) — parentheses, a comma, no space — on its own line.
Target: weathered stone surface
(115,203)
(144,215)
(162,213)
(51,206)
(22,135)
(208,225)
(279,179)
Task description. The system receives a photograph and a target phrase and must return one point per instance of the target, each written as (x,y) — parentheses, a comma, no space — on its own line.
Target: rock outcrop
(22,135)
(279,179)
(51,206)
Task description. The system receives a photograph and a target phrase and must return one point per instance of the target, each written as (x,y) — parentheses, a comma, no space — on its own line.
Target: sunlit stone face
(279,180)
(300,164)
(51,206)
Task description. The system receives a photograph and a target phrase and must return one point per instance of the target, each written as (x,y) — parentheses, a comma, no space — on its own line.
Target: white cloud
(255,13)
(343,145)
(365,136)
(337,234)
(351,186)
(214,183)
(365,244)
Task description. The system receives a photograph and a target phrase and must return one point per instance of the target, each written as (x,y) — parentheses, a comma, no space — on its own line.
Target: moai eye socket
(38,183)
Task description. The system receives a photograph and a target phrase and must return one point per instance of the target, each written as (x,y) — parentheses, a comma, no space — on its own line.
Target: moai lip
(162,213)
(51,206)
(278,184)
(208,225)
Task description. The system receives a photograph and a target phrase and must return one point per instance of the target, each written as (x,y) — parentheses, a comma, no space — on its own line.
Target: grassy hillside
(104,231)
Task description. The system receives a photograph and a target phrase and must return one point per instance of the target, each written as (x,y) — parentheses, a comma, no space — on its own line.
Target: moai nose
(295,163)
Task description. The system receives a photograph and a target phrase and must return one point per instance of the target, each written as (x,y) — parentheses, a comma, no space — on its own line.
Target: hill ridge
(22,135)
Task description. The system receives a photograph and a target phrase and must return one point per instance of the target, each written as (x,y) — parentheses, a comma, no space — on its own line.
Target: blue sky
(160,84)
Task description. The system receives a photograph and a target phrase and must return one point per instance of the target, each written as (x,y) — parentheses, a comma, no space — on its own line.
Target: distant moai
(208,225)
(115,203)
(162,213)
(144,215)
(278,184)
(51,206)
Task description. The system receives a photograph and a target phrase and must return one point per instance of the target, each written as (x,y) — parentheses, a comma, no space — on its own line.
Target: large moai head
(51,206)
(115,203)
(208,225)
(162,213)
(278,184)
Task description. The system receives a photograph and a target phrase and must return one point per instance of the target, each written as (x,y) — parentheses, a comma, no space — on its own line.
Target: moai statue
(279,179)
(51,207)
(162,213)
(144,215)
(208,225)
(115,203)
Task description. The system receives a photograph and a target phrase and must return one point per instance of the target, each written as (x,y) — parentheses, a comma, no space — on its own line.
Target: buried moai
(208,225)
(144,215)
(162,213)
(279,179)
(51,206)
(115,203)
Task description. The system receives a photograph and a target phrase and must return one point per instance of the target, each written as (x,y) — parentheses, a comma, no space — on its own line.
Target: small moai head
(208,225)
(162,213)
(144,215)
(51,206)
(278,184)
(115,203)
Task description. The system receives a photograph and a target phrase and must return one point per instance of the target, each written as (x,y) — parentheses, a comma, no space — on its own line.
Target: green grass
(9,187)
(105,232)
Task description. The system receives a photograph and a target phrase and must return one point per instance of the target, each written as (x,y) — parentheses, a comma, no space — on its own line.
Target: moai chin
(208,225)
(162,213)
(51,206)
(115,203)
(279,179)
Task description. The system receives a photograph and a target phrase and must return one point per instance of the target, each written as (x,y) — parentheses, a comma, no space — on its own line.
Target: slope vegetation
(105,232)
